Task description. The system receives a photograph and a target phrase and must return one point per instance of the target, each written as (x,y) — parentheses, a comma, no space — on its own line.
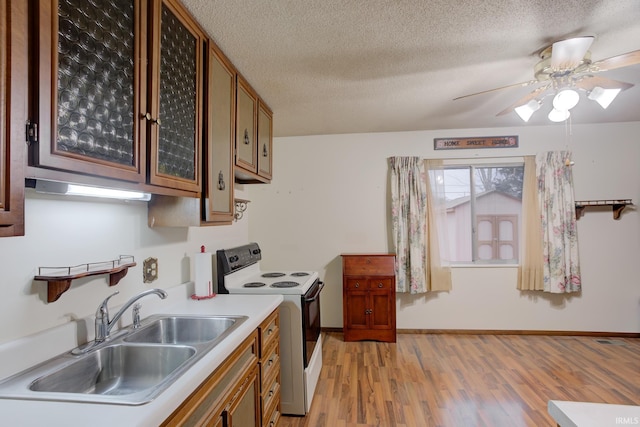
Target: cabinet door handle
(221,184)
(265,152)
(247,141)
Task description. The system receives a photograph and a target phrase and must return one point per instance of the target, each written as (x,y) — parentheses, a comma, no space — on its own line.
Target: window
(483,205)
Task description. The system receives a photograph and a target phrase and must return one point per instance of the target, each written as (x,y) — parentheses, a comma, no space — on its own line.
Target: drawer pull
(357,285)
(380,285)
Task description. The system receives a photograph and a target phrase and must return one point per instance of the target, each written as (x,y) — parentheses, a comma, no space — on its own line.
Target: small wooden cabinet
(254,136)
(369,297)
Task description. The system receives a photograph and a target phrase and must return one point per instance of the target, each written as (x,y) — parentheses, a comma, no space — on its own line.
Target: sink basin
(132,368)
(116,370)
(182,330)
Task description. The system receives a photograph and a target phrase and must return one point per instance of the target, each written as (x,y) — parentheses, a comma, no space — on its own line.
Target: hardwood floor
(467,380)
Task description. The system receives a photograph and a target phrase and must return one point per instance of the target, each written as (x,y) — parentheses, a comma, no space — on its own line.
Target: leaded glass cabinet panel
(89,90)
(176,98)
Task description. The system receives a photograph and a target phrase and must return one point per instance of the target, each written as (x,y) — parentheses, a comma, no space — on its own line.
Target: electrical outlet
(150,270)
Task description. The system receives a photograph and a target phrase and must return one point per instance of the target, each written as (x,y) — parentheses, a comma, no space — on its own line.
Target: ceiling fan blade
(524,100)
(624,60)
(567,54)
(589,82)
(523,84)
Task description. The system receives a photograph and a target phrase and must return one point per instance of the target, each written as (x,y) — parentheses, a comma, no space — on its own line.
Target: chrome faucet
(104,324)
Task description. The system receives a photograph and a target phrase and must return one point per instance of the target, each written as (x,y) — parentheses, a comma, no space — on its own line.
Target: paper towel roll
(203,274)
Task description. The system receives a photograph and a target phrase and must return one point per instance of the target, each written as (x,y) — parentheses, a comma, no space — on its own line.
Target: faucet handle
(136,315)
(103,309)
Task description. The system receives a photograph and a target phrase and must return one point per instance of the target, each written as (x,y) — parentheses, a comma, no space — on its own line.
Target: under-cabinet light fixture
(64,188)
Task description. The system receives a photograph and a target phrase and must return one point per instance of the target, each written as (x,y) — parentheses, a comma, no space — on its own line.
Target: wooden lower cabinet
(369,297)
(270,370)
(244,391)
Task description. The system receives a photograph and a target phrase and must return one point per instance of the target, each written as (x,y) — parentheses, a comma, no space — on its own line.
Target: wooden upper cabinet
(13,113)
(88,87)
(117,91)
(265,140)
(175,98)
(247,106)
(217,194)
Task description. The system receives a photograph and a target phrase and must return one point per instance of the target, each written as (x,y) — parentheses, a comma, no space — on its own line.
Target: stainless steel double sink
(132,368)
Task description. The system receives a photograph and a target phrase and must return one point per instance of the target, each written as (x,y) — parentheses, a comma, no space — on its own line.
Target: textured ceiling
(345,66)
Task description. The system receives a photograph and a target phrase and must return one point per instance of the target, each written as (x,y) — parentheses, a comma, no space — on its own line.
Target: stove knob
(255,251)
(233,258)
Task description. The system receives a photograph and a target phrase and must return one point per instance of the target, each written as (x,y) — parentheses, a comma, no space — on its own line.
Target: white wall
(329,195)
(64,231)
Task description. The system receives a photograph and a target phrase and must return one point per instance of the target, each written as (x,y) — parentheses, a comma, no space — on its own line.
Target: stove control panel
(233,259)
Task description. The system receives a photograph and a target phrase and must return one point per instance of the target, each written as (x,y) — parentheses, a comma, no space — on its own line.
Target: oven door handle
(317,294)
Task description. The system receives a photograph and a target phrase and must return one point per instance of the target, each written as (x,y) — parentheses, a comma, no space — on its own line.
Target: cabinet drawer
(369,265)
(381,283)
(356,283)
(270,363)
(269,331)
(270,400)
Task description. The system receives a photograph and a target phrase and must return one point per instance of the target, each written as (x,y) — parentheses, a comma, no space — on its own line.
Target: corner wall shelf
(59,278)
(616,205)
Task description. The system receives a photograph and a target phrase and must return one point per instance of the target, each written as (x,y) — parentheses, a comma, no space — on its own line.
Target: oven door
(311,319)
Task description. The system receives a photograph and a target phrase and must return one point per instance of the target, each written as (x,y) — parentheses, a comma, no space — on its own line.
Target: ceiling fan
(564,68)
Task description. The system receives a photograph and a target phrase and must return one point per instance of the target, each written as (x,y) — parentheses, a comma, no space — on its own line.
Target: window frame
(471,165)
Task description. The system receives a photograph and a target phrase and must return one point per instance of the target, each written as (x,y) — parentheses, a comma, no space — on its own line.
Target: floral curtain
(408,208)
(558,216)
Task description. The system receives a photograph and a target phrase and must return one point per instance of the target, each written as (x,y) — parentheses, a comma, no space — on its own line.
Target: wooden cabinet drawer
(381,283)
(269,331)
(270,400)
(369,265)
(355,283)
(270,363)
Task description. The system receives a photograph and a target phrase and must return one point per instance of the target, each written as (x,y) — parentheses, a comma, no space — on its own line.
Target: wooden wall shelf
(59,278)
(616,205)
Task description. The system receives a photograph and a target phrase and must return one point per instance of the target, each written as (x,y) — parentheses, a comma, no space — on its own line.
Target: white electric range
(239,272)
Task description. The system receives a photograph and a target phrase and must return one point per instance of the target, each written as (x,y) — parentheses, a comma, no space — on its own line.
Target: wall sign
(478,142)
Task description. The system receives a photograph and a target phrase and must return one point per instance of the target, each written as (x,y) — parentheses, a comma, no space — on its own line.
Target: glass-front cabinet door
(175,113)
(118,91)
(88,89)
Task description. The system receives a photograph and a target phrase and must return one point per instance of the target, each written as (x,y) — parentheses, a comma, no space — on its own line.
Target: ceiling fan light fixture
(566,99)
(602,96)
(526,111)
(557,115)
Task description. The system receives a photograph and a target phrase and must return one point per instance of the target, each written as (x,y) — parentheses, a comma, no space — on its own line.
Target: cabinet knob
(380,285)
(149,118)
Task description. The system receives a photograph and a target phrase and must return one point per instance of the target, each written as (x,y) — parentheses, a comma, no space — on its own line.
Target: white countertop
(585,414)
(36,412)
